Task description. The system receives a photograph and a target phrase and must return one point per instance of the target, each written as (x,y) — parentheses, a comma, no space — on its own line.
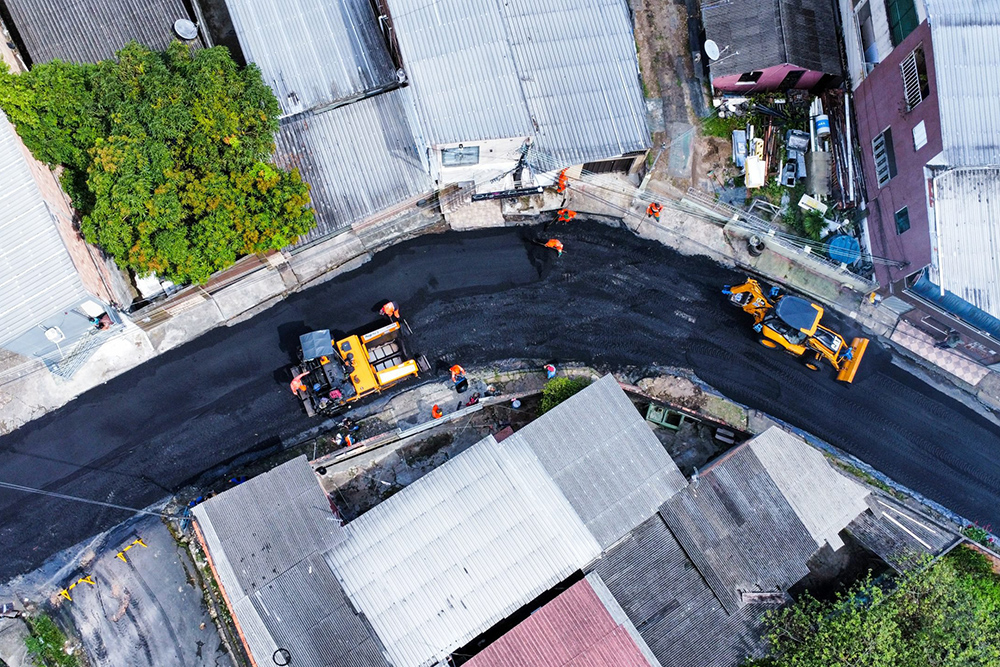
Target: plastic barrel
(822,125)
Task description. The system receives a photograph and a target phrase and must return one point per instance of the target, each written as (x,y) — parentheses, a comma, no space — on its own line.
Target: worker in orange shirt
(436,412)
(654,210)
(296,383)
(457,373)
(390,310)
(556,245)
(565,215)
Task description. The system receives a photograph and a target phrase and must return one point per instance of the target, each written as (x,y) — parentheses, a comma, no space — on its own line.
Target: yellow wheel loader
(793,324)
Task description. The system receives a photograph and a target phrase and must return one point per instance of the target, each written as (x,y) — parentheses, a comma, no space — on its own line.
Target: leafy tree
(945,615)
(558,390)
(166,155)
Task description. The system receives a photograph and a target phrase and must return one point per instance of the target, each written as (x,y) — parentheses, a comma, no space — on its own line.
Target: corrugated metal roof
(580,76)
(739,530)
(823,499)
(359,159)
(896,533)
(966,38)
(265,538)
(37,276)
(458,59)
(313,53)
(967,211)
(563,71)
(458,550)
(573,629)
(88,31)
(670,604)
(763,33)
(604,458)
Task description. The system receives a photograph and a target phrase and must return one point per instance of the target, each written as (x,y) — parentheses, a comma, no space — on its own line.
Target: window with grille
(902,220)
(460,156)
(916,86)
(885,157)
(902,15)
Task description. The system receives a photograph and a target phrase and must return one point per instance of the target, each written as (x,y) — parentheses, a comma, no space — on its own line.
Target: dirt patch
(684,393)
(713,165)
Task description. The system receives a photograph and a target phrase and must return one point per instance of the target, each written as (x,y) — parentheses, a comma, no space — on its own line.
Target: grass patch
(46,644)
(714,126)
(866,478)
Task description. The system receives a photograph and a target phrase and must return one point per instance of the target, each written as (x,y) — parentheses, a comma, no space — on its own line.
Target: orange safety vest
(436,412)
(555,244)
(654,209)
(565,215)
(456,370)
(296,382)
(389,310)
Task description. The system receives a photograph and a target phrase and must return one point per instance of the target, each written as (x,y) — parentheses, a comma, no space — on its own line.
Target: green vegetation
(979,534)
(165,155)
(45,644)
(713,126)
(558,390)
(945,615)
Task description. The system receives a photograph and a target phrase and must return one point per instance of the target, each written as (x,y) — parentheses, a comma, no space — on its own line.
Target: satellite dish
(185,29)
(711,49)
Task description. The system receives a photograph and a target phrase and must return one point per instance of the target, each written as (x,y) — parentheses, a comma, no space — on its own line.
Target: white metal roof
(604,458)
(458,59)
(966,39)
(458,550)
(563,71)
(580,77)
(313,52)
(824,500)
(967,213)
(359,159)
(37,276)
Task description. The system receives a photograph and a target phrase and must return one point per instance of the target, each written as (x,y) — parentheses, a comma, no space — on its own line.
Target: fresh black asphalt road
(612,300)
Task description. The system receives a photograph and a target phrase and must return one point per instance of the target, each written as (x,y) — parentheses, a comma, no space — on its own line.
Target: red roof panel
(573,630)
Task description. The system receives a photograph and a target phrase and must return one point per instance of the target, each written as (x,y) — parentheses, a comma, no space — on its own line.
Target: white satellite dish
(711,49)
(185,29)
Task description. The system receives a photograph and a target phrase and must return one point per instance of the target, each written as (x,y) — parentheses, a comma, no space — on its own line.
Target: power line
(63,496)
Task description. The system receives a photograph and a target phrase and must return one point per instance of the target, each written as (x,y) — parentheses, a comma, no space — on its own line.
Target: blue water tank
(844,248)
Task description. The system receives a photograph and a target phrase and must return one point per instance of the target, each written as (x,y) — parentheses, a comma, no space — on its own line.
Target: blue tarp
(956,305)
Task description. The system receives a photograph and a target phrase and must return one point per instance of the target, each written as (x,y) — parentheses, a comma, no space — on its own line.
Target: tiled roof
(573,630)
(757,34)
(88,31)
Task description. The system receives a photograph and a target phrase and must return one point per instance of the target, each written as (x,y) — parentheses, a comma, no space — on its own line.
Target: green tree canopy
(165,154)
(943,616)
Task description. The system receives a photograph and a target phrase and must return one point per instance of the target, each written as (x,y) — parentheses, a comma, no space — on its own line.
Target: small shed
(772,44)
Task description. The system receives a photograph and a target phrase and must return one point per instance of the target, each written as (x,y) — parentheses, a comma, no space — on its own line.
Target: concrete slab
(186,325)
(145,608)
(314,261)
(256,288)
(475,215)
(13,652)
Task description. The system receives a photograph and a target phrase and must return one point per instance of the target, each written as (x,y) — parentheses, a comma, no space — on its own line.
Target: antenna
(185,29)
(712,49)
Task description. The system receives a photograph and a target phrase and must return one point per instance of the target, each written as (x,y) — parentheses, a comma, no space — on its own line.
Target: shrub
(558,390)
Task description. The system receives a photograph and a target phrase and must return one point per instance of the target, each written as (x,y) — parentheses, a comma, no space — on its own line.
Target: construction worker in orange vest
(565,215)
(436,412)
(556,245)
(563,182)
(654,210)
(457,373)
(390,310)
(296,383)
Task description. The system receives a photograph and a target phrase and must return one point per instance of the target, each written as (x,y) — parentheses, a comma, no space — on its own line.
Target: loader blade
(850,368)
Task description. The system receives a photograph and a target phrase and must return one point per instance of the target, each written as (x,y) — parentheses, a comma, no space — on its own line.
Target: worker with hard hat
(654,210)
(556,245)
(390,310)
